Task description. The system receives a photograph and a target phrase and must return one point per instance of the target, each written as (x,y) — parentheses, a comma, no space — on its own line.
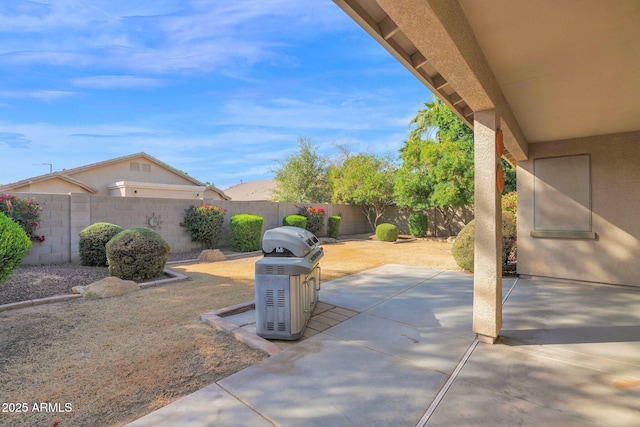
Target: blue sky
(218,89)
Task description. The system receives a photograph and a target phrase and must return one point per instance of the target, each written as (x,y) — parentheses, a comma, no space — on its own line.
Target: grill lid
(288,241)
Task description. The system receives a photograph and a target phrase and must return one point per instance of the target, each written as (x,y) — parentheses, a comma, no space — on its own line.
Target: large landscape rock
(212,255)
(107,287)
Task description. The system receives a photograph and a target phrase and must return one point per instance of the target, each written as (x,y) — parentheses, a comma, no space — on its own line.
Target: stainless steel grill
(287,282)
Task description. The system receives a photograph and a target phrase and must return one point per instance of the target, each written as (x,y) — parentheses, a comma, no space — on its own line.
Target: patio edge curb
(216,319)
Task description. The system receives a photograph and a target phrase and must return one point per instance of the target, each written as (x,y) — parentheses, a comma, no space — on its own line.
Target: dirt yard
(108,362)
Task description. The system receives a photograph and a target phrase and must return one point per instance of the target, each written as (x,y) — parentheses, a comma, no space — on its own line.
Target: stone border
(216,319)
(175,277)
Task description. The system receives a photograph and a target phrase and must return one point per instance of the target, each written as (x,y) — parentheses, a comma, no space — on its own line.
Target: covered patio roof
(554,78)
(554,70)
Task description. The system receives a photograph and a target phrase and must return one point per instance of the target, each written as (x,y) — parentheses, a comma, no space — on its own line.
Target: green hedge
(295,220)
(418,224)
(93,241)
(387,232)
(246,231)
(14,246)
(137,254)
(334,226)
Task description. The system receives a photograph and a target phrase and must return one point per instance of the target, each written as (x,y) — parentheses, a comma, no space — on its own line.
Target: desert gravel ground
(108,362)
(39,281)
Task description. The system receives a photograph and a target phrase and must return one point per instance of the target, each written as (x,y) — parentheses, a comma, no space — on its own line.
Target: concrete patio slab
(426,347)
(569,354)
(362,291)
(210,406)
(325,381)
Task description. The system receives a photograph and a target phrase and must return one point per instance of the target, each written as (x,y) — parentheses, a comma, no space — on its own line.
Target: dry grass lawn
(115,360)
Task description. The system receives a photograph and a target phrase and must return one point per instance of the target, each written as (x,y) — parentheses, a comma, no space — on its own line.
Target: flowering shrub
(315,217)
(510,203)
(25,212)
(204,223)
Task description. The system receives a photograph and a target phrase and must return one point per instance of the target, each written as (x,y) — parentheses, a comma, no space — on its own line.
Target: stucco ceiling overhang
(553,70)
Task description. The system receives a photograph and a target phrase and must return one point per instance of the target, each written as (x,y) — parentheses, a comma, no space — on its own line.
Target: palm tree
(426,120)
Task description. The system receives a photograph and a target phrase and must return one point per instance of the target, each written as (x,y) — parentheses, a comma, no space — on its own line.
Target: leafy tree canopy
(366,180)
(439,172)
(436,172)
(302,177)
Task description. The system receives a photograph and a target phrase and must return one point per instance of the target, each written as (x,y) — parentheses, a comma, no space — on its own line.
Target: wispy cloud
(117,82)
(158,36)
(44,95)
(14,140)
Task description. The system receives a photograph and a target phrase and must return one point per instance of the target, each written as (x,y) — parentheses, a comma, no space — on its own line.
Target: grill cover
(288,241)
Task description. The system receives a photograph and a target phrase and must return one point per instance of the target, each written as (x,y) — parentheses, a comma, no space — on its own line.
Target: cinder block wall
(64,216)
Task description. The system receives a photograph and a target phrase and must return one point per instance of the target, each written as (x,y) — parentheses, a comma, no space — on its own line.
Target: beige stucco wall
(615,200)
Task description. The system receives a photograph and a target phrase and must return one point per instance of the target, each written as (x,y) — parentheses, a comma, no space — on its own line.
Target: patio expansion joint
(247,404)
(454,375)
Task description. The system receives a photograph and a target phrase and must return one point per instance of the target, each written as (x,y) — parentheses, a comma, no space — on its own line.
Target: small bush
(418,224)
(509,242)
(93,241)
(204,223)
(25,212)
(14,245)
(334,226)
(295,221)
(387,232)
(510,203)
(246,231)
(137,254)
(315,217)
(462,249)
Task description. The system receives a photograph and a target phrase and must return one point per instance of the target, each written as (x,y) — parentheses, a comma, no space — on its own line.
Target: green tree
(365,180)
(303,176)
(450,166)
(510,184)
(413,184)
(436,173)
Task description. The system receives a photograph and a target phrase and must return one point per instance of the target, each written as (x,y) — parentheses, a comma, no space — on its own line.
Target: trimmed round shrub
(14,246)
(418,224)
(387,232)
(246,231)
(295,220)
(334,226)
(137,254)
(93,241)
(462,249)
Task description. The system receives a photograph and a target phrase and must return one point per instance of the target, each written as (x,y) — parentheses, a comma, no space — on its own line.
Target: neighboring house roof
(260,190)
(46,177)
(67,174)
